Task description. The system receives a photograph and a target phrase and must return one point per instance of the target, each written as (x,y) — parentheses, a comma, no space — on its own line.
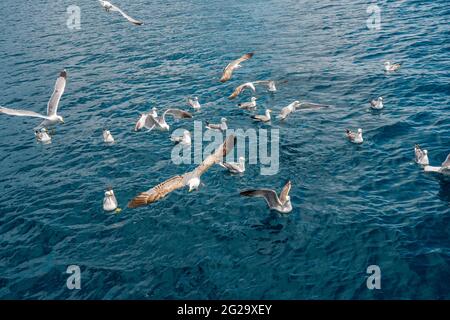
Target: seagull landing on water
(355,137)
(280,203)
(193,102)
(42,135)
(263,118)
(248,105)
(242,88)
(234,167)
(390,67)
(222,126)
(108,6)
(51,118)
(421,156)
(107,137)
(377,104)
(444,168)
(141,122)
(159,123)
(185,139)
(236,64)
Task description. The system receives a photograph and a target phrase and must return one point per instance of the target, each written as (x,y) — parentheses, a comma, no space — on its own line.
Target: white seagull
(141,122)
(377,104)
(263,118)
(242,88)
(159,123)
(52,107)
(390,67)
(270,84)
(281,203)
(234,167)
(355,137)
(193,102)
(297,105)
(421,156)
(108,6)
(42,135)
(444,168)
(107,137)
(228,71)
(222,126)
(109,201)
(185,139)
(248,105)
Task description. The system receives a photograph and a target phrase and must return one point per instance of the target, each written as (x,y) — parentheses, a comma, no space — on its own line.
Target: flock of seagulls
(192,180)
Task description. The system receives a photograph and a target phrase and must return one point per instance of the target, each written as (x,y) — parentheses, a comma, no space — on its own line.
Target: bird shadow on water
(444,190)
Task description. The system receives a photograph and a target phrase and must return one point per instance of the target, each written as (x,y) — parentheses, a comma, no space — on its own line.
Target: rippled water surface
(354,206)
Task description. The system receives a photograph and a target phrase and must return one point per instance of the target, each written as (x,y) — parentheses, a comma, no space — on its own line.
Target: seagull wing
(60,85)
(285,112)
(230,166)
(241,88)
(151,122)
(126,16)
(270,196)
(446,163)
(309,105)
(177,113)
(21,113)
(285,192)
(157,192)
(228,71)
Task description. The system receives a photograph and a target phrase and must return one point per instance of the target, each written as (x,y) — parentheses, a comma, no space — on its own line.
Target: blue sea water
(354,206)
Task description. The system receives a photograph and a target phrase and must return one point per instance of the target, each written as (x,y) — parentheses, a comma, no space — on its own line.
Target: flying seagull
(355,137)
(141,122)
(185,139)
(193,102)
(52,106)
(108,6)
(228,71)
(263,118)
(297,105)
(222,126)
(190,179)
(270,84)
(241,88)
(377,104)
(248,105)
(444,168)
(421,156)
(234,167)
(159,123)
(281,203)
(390,67)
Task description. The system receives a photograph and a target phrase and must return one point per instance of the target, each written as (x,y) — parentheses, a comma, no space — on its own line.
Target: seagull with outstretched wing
(280,203)
(242,88)
(159,123)
(52,118)
(228,71)
(108,6)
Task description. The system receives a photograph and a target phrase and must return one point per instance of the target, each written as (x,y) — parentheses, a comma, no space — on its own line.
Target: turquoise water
(354,206)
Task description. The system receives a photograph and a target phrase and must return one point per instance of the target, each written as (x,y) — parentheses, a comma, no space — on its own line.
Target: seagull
(107,137)
(270,84)
(234,167)
(421,156)
(280,203)
(159,123)
(248,105)
(242,88)
(389,66)
(263,118)
(228,71)
(189,179)
(108,6)
(286,111)
(185,139)
(109,201)
(52,106)
(43,136)
(297,105)
(377,104)
(444,168)
(141,122)
(355,137)
(222,126)
(193,102)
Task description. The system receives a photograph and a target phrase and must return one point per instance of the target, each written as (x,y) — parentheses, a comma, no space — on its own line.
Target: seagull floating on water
(108,6)
(444,168)
(185,139)
(193,102)
(355,137)
(390,67)
(377,104)
(234,167)
(42,135)
(109,201)
(222,126)
(248,105)
(242,88)
(52,106)
(107,137)
(280,203)
(236,64)
(263,118)
(159,123)
(141,122)
(421,156)
(190,179)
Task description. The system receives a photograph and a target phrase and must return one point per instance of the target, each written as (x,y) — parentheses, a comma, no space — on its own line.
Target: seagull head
(223,120)
(360,131)
(387,63)
(241,159)
(60,119)
(254,99)
(193,183)
(425,152)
